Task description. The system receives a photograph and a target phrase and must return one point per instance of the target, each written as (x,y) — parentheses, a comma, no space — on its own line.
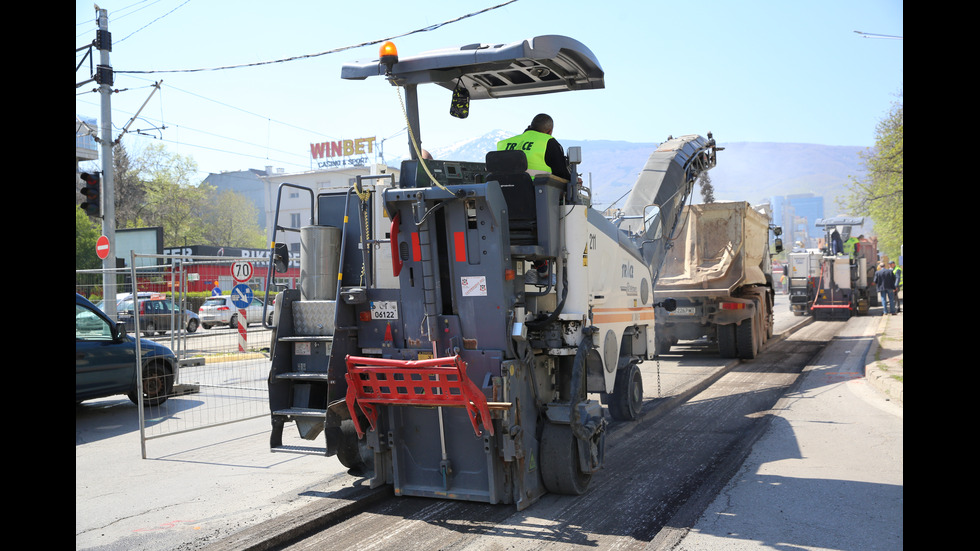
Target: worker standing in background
(885,283)
(836,245)
(850,246)
(898,284)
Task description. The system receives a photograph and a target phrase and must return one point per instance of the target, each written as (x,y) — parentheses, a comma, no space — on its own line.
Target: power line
(160,124)
(333,51)
(154,21)
(269,119)
(873,35)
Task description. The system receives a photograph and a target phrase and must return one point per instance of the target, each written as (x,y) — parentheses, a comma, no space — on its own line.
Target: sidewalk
(885,364)
(829,472)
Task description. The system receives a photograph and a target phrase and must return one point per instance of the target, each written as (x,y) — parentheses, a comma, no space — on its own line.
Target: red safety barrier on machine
(434,382)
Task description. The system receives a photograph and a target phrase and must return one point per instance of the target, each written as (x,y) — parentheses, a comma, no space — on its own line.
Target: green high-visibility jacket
(533,144)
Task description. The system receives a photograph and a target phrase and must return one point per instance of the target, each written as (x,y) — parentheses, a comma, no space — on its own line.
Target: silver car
(155,316)
(220,310)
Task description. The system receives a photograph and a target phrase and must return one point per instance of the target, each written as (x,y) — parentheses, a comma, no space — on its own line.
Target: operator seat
(509,169)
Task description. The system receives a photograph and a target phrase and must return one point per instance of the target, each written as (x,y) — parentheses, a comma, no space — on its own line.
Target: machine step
(306,450)
(304,377)
(307,338)
(301,412)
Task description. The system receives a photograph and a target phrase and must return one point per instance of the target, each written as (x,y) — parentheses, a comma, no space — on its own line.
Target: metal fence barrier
(224,363)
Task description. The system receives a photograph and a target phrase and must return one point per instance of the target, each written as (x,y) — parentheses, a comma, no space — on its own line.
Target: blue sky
(751,70)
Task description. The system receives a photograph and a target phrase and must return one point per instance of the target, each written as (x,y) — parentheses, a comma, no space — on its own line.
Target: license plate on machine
(384,310)
(683,311)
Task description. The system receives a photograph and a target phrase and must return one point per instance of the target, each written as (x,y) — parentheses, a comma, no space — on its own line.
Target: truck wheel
(769,321)
(726,340)
(627,397)
(746,342)
(560,470)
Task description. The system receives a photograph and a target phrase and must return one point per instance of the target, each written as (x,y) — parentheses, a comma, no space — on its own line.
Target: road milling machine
(804,275)
(845,284)
(458,331)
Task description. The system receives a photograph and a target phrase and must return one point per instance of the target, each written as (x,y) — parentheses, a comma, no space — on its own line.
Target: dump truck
(418,350)
(719,271)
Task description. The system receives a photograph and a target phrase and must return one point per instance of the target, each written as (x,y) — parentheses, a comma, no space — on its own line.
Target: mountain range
(746,171)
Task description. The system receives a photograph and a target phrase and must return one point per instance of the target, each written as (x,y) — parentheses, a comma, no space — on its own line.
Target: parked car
(105,360)
(155,316)
(220,310)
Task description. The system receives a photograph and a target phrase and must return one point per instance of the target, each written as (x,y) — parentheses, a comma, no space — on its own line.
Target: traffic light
(92,192)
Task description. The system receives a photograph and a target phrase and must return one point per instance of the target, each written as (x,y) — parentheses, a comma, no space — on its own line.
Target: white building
(294,203)
(86,148)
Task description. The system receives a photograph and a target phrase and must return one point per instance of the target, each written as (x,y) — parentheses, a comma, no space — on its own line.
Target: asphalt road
(654,468)
(199,488)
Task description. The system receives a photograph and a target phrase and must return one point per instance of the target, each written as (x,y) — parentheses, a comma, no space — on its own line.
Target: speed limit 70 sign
(241,271)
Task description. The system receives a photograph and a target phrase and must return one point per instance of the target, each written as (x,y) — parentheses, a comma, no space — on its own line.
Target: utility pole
(103,77)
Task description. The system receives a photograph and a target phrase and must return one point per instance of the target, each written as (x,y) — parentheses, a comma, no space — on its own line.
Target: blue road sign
(241,295)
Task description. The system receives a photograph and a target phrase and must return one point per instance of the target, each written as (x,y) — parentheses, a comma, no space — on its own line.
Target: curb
(879,373)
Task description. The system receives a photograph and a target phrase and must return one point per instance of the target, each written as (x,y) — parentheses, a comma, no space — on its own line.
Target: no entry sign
(102,247)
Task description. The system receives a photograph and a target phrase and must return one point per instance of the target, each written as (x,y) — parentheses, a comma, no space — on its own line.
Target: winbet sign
(342,153)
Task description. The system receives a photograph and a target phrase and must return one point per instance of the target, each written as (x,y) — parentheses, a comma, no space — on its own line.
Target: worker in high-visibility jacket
(898,283)
(544,156)
(850,246)
(544,153)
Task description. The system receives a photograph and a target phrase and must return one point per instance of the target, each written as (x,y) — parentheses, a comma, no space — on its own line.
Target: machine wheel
(726,340)
(192,325)
(627,397)
(149,329)
(233,322)
(746,342)
(560,470)
(348,449)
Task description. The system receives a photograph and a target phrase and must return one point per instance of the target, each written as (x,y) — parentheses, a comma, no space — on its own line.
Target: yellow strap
(415,145)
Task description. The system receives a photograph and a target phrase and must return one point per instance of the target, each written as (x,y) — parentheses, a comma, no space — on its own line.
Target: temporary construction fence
(222,342)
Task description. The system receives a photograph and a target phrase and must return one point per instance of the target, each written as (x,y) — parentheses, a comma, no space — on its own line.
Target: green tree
(130,193)
(879,194)
(87,233)
(171,201)
(230,222)
(154,187)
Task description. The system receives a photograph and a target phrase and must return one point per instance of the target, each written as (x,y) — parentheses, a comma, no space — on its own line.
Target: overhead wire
(294,58)
(152,22)
(327,52)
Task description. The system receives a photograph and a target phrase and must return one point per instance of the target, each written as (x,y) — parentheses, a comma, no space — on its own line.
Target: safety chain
(659,394)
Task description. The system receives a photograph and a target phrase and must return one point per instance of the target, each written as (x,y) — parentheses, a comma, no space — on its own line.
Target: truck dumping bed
(719,247)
